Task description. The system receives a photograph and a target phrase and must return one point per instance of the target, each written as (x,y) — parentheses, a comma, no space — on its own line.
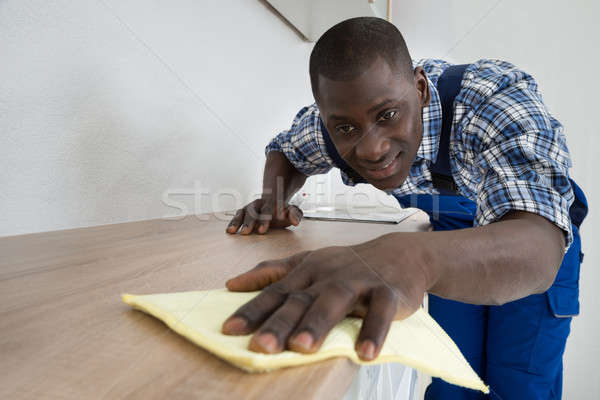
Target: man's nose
(373,146)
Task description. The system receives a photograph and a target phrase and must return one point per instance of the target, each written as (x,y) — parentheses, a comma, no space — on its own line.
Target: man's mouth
(385,170)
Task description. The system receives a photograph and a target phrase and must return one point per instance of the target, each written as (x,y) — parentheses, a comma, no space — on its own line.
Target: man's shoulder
(483,77)
(309,111)
(490,76)
(432,64)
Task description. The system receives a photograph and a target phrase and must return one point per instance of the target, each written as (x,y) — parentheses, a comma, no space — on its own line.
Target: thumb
(294,215)
(259,277)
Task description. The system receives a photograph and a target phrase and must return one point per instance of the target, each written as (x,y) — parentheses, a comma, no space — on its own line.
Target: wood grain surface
(65,334)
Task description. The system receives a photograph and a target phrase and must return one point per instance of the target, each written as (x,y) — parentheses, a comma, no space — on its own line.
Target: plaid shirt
(507,152)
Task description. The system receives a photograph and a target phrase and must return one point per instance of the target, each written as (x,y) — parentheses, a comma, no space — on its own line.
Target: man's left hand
(305,295)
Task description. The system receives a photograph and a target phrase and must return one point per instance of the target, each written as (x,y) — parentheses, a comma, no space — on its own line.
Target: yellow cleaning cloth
(417,341)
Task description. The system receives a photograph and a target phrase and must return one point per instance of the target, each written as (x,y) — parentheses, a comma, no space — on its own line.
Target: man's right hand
(262,214)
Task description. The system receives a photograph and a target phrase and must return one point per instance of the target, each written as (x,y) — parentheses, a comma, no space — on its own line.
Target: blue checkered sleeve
(521,156)
(303,144)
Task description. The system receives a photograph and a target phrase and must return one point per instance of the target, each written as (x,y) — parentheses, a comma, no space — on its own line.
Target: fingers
(250,218)
(274,332)
(236,221)
(290,215)
(280,213)
(267,272)
(376,324)
(264,274)
(259,216)
(265,221)
(331,306)
(256,216)
(294,215)
(251,315)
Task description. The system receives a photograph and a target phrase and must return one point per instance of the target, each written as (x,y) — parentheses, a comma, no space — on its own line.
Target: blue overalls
(515,348)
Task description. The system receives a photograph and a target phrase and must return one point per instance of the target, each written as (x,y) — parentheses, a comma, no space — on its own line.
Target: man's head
(370,98)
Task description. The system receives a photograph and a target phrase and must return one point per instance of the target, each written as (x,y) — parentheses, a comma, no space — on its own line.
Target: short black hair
(350,47)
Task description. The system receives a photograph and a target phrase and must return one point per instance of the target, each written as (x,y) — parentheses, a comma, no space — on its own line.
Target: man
(494,179)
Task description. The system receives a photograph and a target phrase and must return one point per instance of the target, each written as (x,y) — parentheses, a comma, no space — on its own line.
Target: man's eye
(388,115)
(345,129)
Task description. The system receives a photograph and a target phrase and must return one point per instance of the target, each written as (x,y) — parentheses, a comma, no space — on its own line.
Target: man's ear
(422,85)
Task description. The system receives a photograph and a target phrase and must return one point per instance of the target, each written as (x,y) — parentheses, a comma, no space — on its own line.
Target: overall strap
(579,208)
(448,86)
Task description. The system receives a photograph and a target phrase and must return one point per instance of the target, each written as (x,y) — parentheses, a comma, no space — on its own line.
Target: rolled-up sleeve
(303,144)
(523,160)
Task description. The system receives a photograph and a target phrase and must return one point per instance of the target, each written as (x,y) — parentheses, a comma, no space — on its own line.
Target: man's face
(375,121)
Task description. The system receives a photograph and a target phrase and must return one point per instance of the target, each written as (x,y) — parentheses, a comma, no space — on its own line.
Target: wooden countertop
(64,332)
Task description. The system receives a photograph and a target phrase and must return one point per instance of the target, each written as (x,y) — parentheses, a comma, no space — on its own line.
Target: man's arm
(292,155)
(281,179)
(306,294)
(494,264)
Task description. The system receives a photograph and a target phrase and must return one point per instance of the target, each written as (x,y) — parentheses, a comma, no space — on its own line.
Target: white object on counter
(391,381)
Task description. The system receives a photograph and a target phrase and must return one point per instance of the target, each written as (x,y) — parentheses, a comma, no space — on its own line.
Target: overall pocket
(563,295)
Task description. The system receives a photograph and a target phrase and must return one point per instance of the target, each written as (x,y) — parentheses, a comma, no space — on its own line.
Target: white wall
(106,105)
(557,42)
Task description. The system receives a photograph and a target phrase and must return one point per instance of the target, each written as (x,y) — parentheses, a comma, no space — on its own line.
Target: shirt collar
(432,126)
